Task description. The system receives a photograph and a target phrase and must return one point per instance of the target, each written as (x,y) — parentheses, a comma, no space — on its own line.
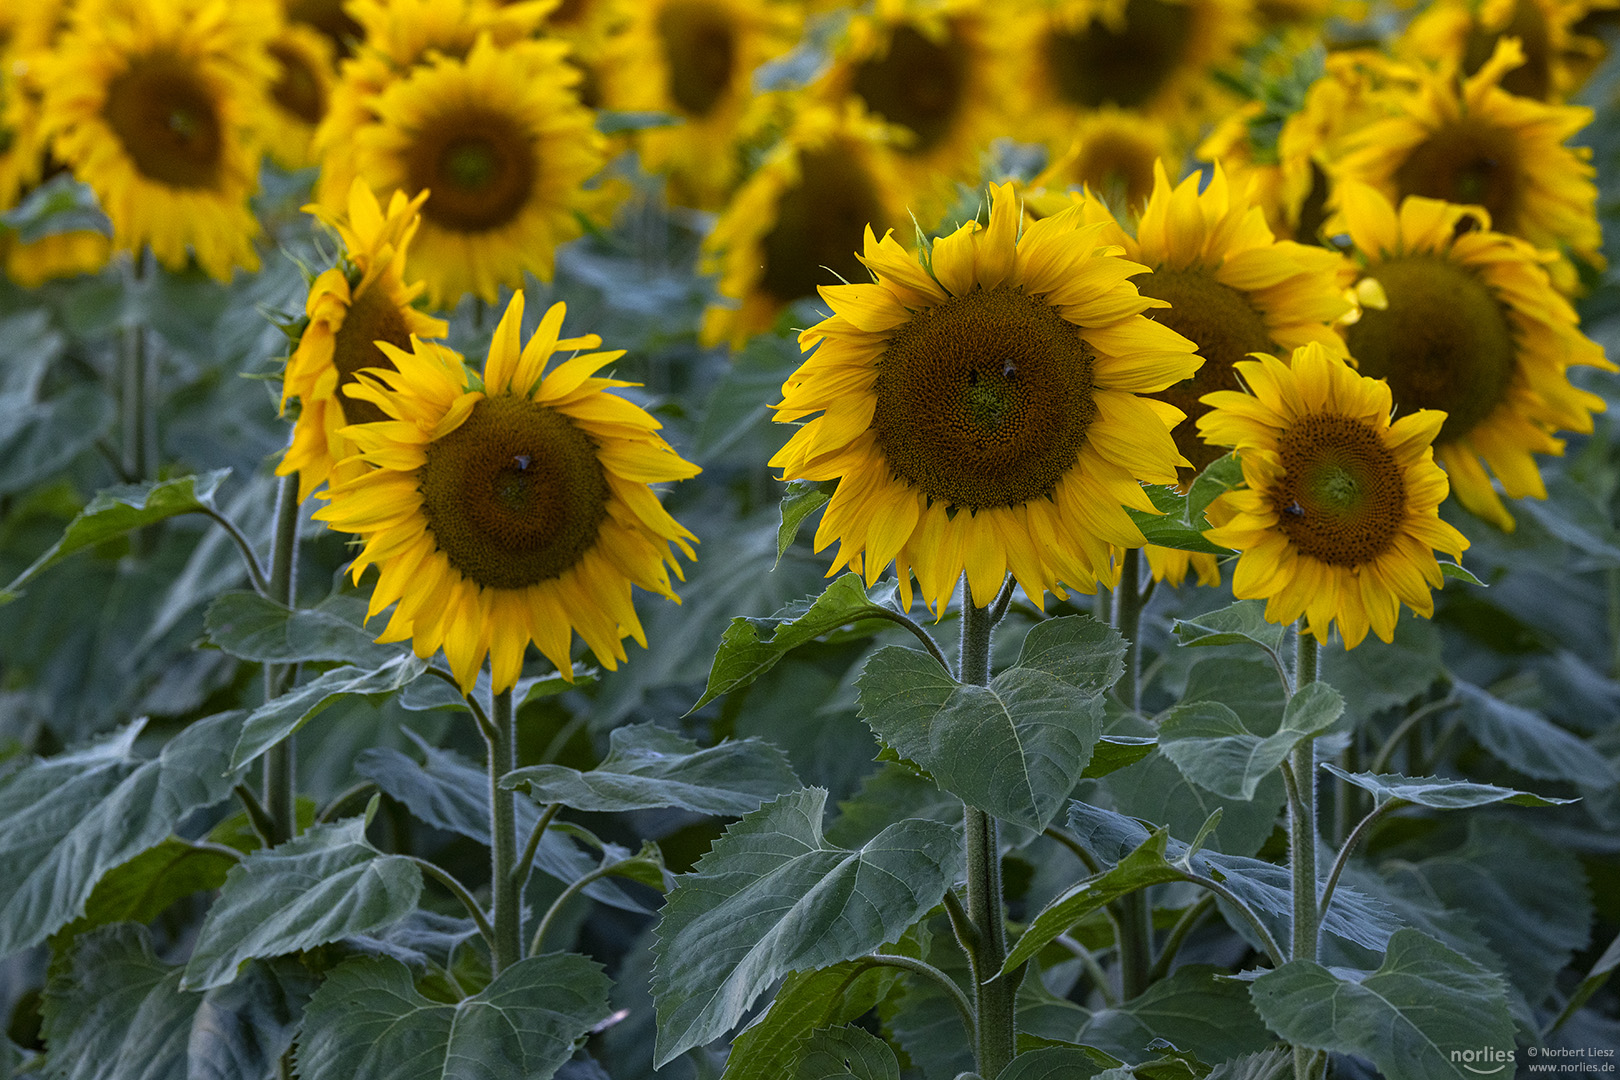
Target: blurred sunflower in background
(1460,37)
(504,149)
(306,71)
(510,509)
(1338,519)
(352,306)
(981,410)
(156,107)
(1113,156)
(799,220)
(1463,319)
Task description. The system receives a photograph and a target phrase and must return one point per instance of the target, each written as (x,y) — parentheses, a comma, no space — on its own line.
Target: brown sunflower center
(166,117)
(298,89)
(1342,498)
(820,223)
(330,18)
(700,47)
(1313,210)
(1469,160)
(984,400)
(371,317)
(478,163)
(569,13)
(1225,327)
(1116,166)
(1124,65)
(921,84)
(1534,78)
(1443,343)
(515,495)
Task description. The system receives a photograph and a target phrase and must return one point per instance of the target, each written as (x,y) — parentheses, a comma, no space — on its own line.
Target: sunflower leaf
(252,627)
(59,205)
(1218,477)
(1452,570)
(1422,1015)
(772,896)
(276,719)
(1214,749)
(847,1053)
(648,767)
(1438,793)
(1244,621)
(801,499)
(751,647)
(369,1022)
(767,1048)
(118,510)
(1169,527)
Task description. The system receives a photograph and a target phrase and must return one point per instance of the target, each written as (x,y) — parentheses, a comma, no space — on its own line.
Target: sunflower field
(1061,539)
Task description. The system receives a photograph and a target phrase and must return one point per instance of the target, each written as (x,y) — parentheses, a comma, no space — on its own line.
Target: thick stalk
(1133,913)
(1128,621)
(1302,837)
(280,772)
(993,996)
(508,893)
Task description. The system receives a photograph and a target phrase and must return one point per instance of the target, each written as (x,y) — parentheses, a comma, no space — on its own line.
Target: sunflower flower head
(1464,319)
(511,507)
(1338,519)
(982,411)
(351,307)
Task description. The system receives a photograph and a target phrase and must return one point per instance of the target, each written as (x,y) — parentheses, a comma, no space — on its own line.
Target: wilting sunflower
(1463,319)
(154,106)
(351,307)
(1149,56)
(1338,519)
(981,412)
(942,73)
(503,147)
(1233,289)
(306,72)
(695,60)
(510,510)
(1485,146)
(1113,156)
(798,222)
(1461,36)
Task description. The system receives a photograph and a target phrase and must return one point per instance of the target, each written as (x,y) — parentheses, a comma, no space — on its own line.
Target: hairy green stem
(459,891)
(520,869)
(1185,925)
(1133,913)
(280,762)
(1127,619)
(1088,960)
(993,996)
(927,971)
(508,895)
(1343,859)
(900,618)
(1300,770)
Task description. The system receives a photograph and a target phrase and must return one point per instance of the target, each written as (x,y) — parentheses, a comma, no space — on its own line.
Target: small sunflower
(504,149)
(1113,156)
(306,72)
(58,255)
(1461,36)
(695,60)
(154,106)
(1338,519)
(1463,319)
(1482,145)
(351,307)
(981,412)
(799,220)
(512,509)
(942,73)
(1150,56)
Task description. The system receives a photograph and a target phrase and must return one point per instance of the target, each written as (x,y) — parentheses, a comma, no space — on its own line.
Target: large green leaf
(116,1012)
(1387,674)
(772,897)
(325,885)
(847,1053)
(1426,1014)
(751,647)
(1143,867)
(1170,527)
(1015,748)
(1530,743)
(368,1022)
(648,767)
(66,821)
(118,510)
(1235,624)
(768,1047)
(1213,748)
(1053,1063)
(1195,1008)
(1155,790)
(1438,793)
(275,720)
(142,888)
(252,627)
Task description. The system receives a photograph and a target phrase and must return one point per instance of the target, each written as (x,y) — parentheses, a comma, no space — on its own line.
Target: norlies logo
(1487,1061)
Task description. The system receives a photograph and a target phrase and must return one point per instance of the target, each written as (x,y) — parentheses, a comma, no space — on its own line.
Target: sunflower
(1150,56)
(1338,519)
(329,18)
(351,307)
(510,510)
(305,75)
(1485,146)
(504,148)
(981,411)
(1112,156)
(58,255)
(1461,36)
(1463,319)
(695,60)
(154,106)
(798,221)
(942,74)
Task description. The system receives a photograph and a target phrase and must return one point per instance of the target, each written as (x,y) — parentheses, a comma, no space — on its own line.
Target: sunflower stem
(137,432)
(1133,913)
(1301,773)
(280,766)
(1127,619)
(993,996)
(508,894)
